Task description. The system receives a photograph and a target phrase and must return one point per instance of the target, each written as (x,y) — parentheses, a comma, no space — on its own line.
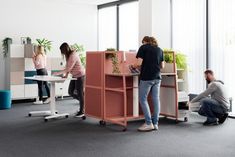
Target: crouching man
(214,101)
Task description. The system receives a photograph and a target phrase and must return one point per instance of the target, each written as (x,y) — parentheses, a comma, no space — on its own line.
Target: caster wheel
(124,129)
(176,121)
(102,123)
(56,112)
(185,119)
(45,120)
(29,114)
(84,118)
(66,116)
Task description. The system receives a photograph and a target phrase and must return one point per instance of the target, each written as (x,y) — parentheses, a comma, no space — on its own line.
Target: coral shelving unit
(111,97)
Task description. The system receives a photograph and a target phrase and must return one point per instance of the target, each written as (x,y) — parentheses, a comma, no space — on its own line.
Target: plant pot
(169,68)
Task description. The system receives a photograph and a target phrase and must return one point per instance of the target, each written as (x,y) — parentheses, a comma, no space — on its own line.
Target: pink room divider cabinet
(113,97)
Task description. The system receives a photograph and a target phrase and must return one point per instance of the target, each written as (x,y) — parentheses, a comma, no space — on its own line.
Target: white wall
(145,19)
(59,21)
(161,22)
(154,20)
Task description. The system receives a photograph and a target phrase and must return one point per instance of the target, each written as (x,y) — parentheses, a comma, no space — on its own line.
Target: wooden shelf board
(168,74)
(128,118)
(114,89)
(180,69)
(180,80)
(122,74)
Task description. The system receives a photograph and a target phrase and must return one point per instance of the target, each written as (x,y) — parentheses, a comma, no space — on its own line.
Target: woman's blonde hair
(40,50)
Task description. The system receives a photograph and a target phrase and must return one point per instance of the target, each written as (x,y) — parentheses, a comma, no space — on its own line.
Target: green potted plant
(81,51)
(168,58)
(6,46)
(29,41)
(45,43)
(114,58)
(180,59)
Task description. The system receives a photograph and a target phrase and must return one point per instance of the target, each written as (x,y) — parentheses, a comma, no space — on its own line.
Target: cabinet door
(29,66)
(28,50)
(16,51)
(57,64)
(17,91)
(59,89)
(31,91)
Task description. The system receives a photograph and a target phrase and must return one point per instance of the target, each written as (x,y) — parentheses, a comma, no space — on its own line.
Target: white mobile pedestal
(52,113)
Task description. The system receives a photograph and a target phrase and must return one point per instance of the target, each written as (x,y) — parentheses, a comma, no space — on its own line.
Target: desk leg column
(52,103)
(135,96)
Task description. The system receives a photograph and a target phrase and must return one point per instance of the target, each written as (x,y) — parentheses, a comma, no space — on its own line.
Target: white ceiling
(95,2)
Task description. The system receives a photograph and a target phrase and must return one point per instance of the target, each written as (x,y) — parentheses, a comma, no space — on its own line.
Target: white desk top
(49,78)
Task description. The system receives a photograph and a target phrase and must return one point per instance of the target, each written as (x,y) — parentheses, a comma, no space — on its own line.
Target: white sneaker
(146,127)
(79,114)
(38,102)
(155,127)
(47,101)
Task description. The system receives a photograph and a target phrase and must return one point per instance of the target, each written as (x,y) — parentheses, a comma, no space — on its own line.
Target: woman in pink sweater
(39,60)
(75,67)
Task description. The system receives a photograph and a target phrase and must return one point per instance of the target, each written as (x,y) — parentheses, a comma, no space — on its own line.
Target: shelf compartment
(113,81)
(180,80)
(128,118)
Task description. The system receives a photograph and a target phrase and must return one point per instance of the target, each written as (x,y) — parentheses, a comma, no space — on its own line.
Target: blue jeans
(211,109)
(144,88)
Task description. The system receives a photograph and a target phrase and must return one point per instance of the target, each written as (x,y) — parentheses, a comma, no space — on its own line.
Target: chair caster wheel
(66,116)
(102,123)
(45,120)
(84,118)
(56,112)
(185,119)
(29,114)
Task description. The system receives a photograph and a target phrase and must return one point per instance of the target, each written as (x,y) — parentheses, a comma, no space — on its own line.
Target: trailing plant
(5,46)
(45,43)
(114,58)
(110,55)
(81,51)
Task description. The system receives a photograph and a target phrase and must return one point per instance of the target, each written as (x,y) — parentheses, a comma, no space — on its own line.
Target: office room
(117,78)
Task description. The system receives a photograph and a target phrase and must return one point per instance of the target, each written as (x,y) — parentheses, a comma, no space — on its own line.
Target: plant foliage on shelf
(5,46)
(110,55)
(168,55)
(45,43)
(181,59)
(81,51)
(114,58)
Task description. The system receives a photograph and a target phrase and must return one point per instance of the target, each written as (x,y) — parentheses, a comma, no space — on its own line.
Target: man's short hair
(209,72)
